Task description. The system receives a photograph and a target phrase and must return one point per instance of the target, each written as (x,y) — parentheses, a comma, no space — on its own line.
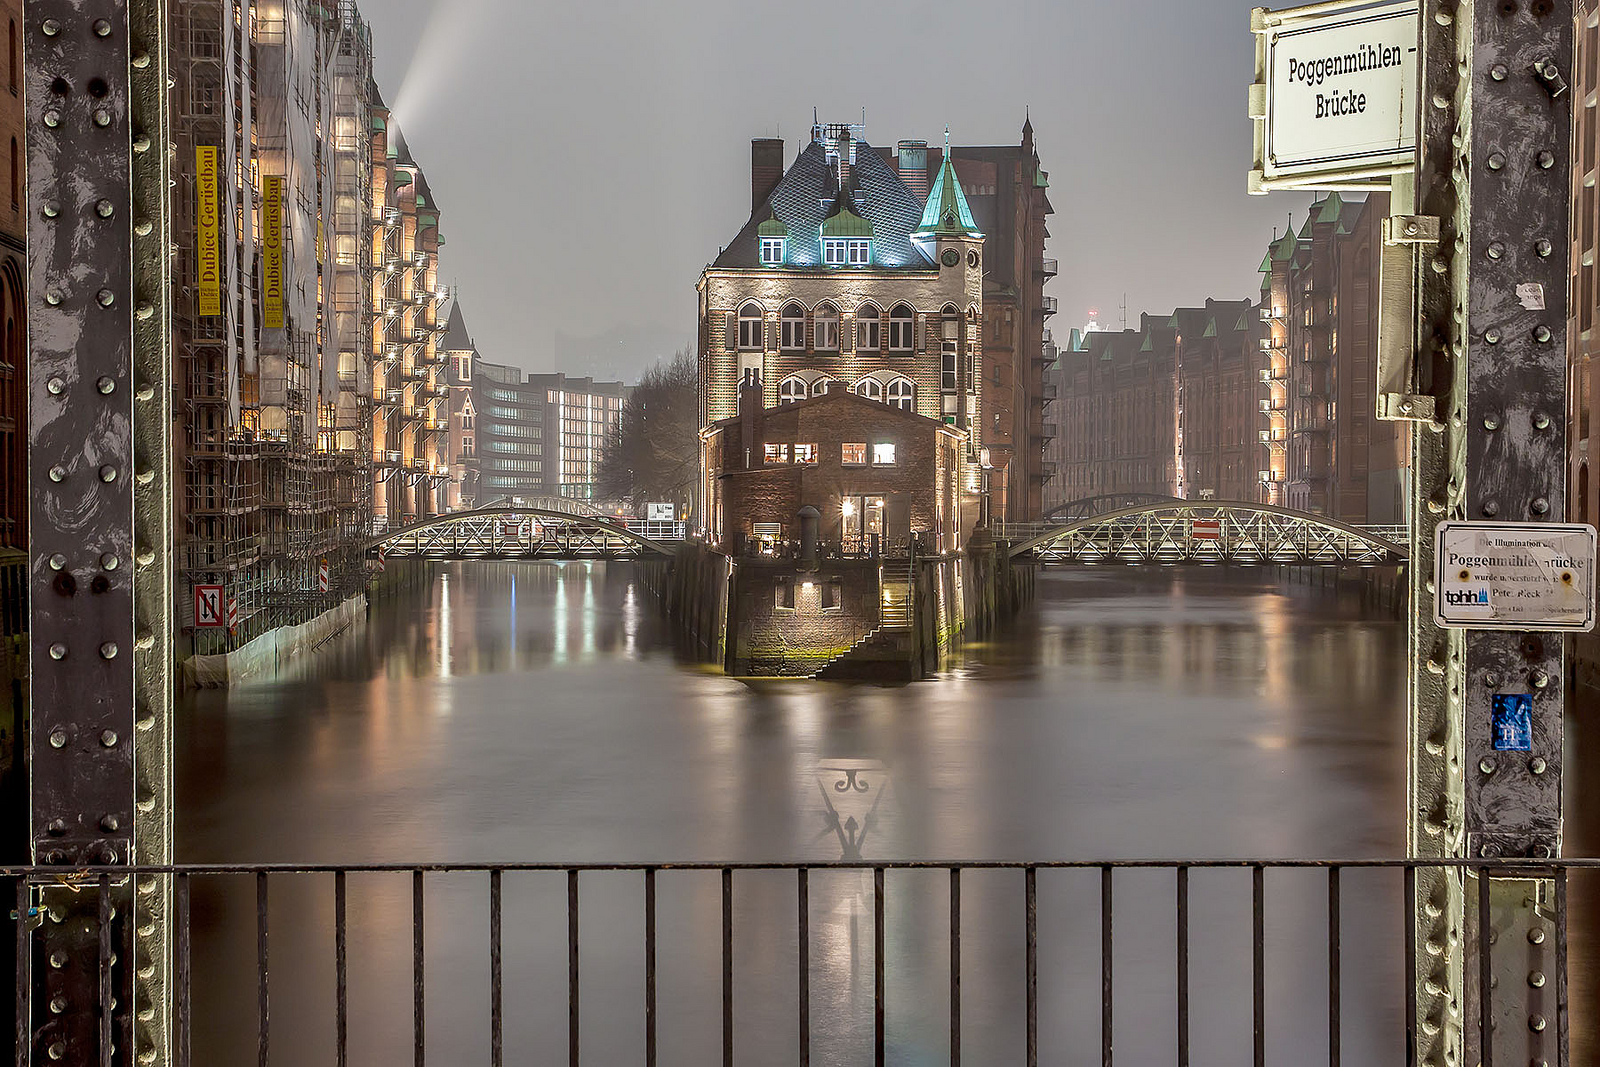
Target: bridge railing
(1264,918)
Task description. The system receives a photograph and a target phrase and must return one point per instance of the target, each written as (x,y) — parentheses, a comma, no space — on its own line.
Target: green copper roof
(1211,328)
(947,211)
(1041,179)
(773,227)
(843,221)
(1305,231)
(1244,321)
(1149,343)
(1331,206)
(403,177)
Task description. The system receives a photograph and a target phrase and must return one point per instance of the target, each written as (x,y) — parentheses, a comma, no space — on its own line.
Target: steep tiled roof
(947,210)
(456,337)
(807,192)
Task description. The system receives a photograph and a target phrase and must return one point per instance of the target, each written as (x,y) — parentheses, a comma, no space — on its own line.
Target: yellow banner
(272,252)
(209,243)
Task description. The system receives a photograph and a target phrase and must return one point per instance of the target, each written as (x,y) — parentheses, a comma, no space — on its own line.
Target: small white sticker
(1531,295)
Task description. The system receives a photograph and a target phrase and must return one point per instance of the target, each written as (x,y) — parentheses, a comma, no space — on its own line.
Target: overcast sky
(590,158)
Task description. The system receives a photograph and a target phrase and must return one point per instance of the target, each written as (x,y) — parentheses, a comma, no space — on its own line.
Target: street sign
(1335,101)
(208,607)
(660,512)
(1514,576)
(1205,529)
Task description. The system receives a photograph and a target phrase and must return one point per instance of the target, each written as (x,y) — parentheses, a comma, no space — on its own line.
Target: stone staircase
(885,650)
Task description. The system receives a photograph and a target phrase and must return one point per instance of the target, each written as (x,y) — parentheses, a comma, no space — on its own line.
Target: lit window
(901,394)
(870,388)
(805,453)
(776,453)
(793,319)
(853,454)
(869,326)
(900,328)
(791,388)
(827,325)
(772,250)
(858,252)
(749,329)
(833,252)
(883,453)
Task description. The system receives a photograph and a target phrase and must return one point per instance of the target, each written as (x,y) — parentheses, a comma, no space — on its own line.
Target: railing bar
(107,1050)
(182,951)
(1409,940)
(1335,949)
(496,1016)
(341,971)
(572,967)
(727,967)
(804,906)
(1563,1037)
(877,966)
(955,967)
(262,1033)
(1258,966)
(1485,975)
(650,968)
(419,1019)
(1107,1012)
(1183,967)
(24,980)
(1031,907)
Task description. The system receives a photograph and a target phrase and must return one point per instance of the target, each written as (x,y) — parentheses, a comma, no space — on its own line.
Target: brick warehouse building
(1328,452)
(876,477)
(859,265)
(1168,409)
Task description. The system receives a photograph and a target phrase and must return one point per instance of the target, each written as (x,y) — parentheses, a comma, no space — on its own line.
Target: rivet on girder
(57,1050)
(1491,423)
(1541,421)
(1537,765)
(52,118)
(107,386)
(1536,1023)
(102,28)
(1536,979)
(51,209)
(1497,160)
(1486,765)
(105,209)
(108,474)
(110,562)
(58,651)
(1491,680)
(108,650)
(102,117)
(1541,506)
(108,738)
(106,298)
(1546,159)
(57,561)
(1536,936)
(1498,72)
(1496,250)
(110,824)
(1542,334)
(1542,248)
(1492,335)
(52,297)
(140,61)
(1490,508)
(58,738)
(51,27)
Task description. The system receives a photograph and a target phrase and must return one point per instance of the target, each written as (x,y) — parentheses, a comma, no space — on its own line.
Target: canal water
(538,712)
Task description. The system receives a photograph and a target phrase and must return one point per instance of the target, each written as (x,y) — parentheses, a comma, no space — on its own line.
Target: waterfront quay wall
(881,619)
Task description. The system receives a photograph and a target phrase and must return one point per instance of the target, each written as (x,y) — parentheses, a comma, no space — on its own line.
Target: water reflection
(536,711)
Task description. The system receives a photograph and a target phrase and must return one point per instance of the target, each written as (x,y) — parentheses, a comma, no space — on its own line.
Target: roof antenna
(1124,311)
(947,138)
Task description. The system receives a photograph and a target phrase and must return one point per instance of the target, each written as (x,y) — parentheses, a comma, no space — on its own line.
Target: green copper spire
(947,211)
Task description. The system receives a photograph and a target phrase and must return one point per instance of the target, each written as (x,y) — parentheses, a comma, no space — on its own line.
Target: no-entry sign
(208,607)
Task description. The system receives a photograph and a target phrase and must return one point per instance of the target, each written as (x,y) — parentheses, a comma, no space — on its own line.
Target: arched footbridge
(527,533)
(1090,506)
(1208,531)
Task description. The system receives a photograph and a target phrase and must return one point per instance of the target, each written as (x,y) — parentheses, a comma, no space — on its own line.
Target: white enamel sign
(1514,576)
(1340,92)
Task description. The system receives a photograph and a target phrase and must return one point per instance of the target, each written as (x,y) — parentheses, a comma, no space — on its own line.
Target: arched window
(827,324)
(869,328)
(870,388)
(750,327)
(793,318)
(900,328)
(16,177)
(821,385)
(901,394)
(791,389)
(16,57)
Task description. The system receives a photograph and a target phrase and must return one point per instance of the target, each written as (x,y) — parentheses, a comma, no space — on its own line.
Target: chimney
(847,157)
(766,169)
(751,417)
(911,160)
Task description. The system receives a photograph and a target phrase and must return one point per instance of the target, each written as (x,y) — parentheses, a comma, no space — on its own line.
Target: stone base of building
(266,657)
(886,620)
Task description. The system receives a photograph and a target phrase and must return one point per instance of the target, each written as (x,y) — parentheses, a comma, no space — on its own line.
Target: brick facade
(920,490)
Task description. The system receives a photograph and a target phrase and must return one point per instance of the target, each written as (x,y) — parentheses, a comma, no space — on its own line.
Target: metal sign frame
(1351,173)
(1582,580)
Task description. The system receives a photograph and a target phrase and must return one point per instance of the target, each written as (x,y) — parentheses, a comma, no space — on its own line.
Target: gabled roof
(845,397)
(804,197)
(946,211)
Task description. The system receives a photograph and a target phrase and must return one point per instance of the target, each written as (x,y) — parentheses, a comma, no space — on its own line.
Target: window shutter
(731,342)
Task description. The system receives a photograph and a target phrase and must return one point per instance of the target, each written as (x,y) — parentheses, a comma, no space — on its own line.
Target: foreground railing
(100,890)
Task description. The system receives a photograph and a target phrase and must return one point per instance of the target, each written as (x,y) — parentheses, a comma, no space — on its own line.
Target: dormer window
(833,252)
(846,251)
(857,252)
(772,250)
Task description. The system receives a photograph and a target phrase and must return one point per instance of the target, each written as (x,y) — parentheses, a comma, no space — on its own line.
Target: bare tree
(654,452)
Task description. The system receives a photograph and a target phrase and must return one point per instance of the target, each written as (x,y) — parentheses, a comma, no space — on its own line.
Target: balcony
(1271,314)
(1046,471)
(1273,437)
(1271,404)
(1049,306)
(1271,477)
(1047,392)
(394,396)
(1047,267)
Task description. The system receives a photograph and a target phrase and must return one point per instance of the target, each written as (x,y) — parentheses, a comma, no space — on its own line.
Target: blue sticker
(1513,722)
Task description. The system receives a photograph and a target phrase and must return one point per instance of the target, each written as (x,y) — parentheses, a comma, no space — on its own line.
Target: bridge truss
(1181,531)
(1090,506)
(525,534)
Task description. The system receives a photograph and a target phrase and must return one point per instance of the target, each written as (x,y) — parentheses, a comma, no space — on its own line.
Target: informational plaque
(1514,576)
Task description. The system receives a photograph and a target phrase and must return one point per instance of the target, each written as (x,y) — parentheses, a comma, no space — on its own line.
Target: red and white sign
(1205,529)
(208,607)
(233,613)
(322,576)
